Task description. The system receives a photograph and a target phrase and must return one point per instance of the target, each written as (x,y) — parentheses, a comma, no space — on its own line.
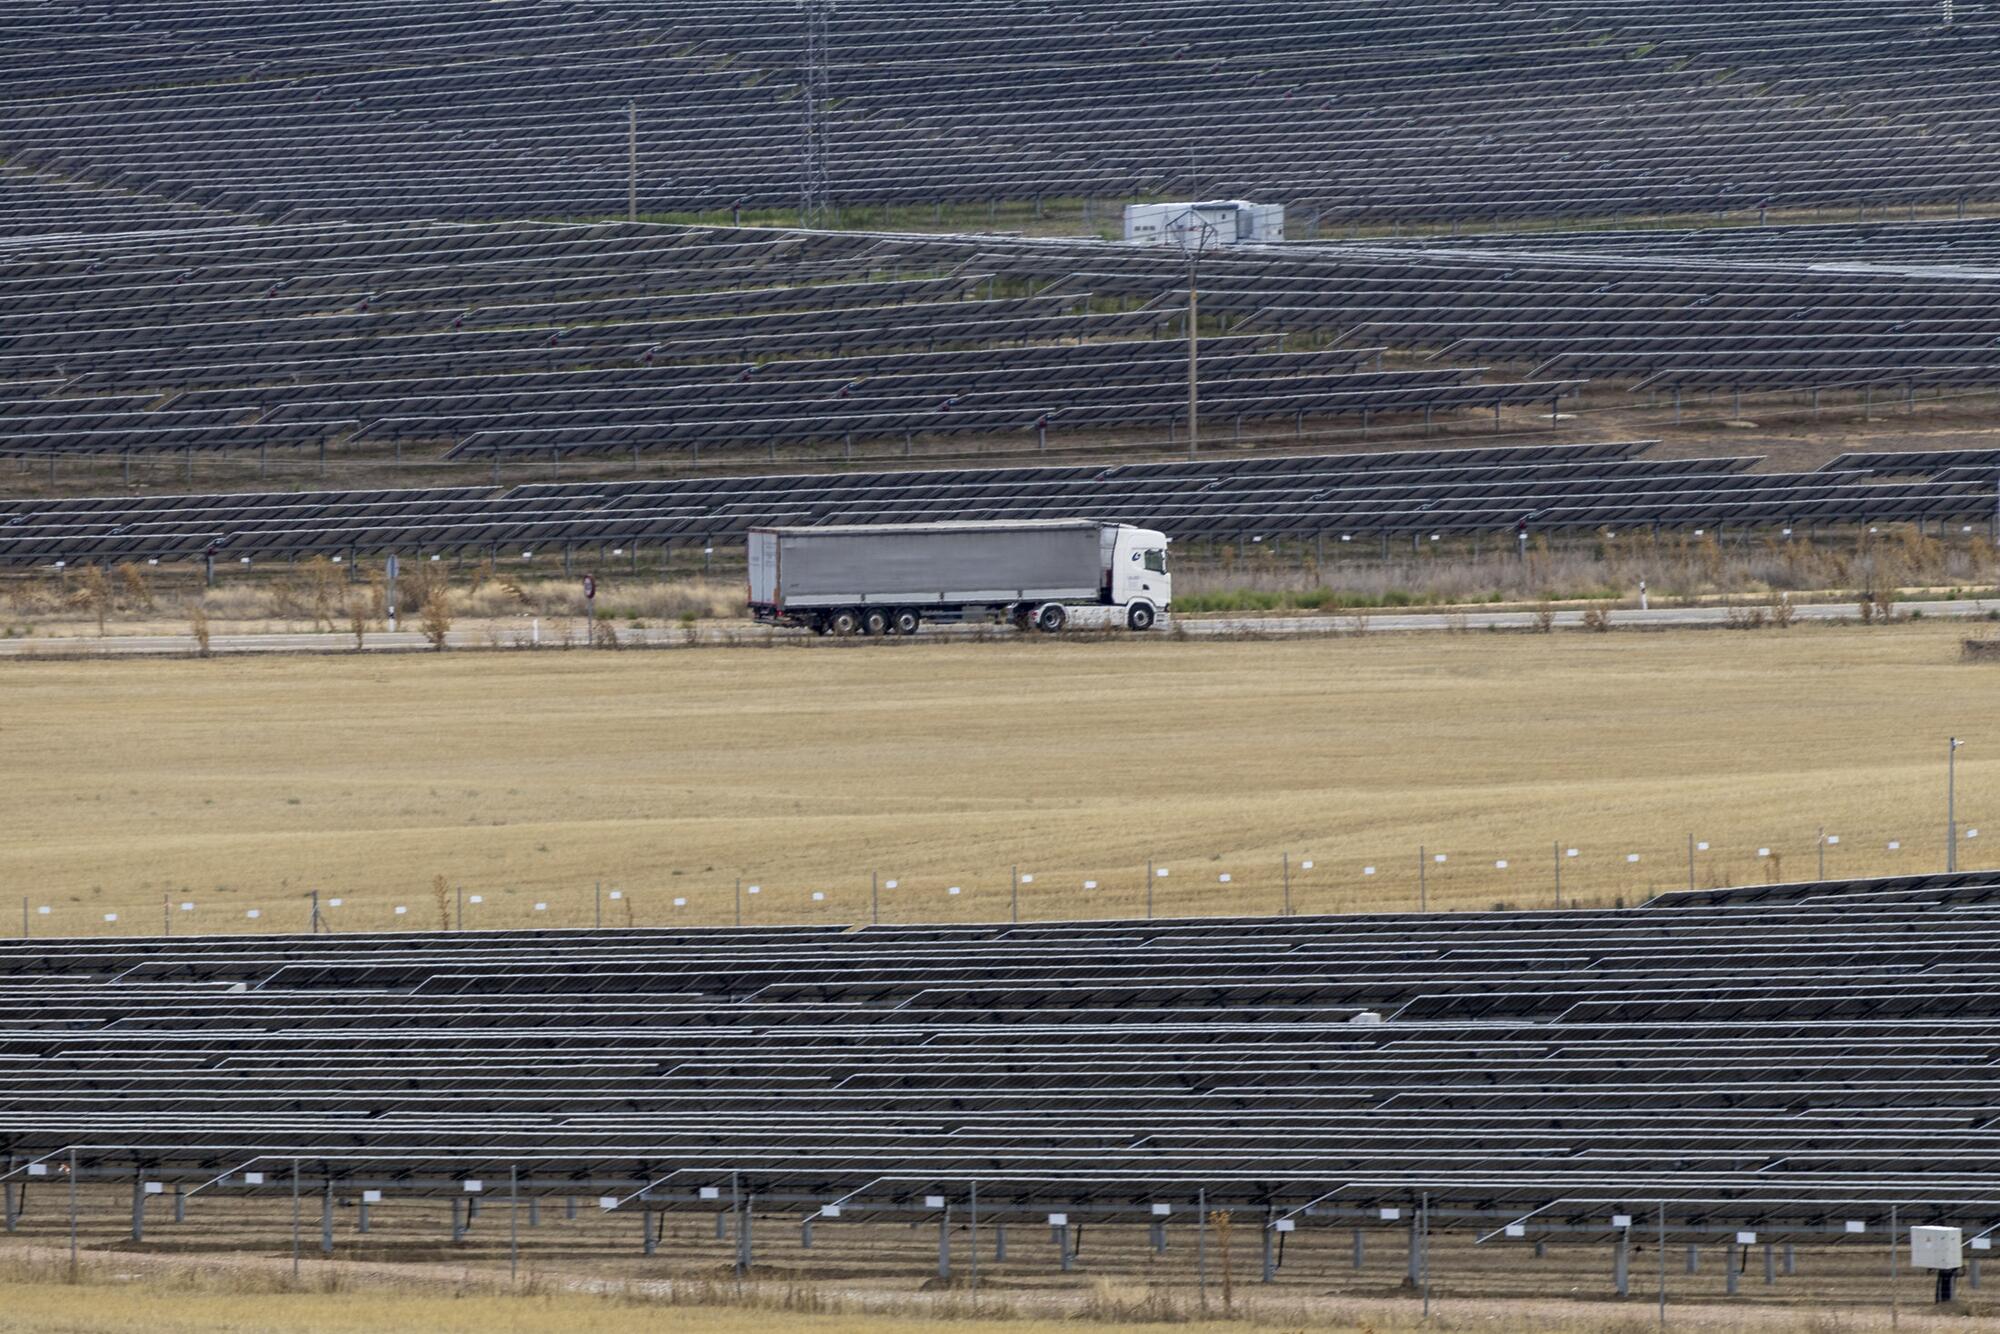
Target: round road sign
(590,585)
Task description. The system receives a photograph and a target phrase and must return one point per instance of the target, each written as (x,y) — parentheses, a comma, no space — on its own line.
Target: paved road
(407,641)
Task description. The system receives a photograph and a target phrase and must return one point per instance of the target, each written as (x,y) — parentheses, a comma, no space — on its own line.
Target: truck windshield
(1156,561)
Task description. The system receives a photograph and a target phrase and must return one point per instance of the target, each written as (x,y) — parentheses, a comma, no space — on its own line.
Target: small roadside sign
(589,586)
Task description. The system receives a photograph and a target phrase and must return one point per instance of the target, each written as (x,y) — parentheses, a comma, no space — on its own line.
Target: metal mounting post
(326,1219)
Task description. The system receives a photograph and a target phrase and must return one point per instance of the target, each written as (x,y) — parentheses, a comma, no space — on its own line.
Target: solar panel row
(1777,1062)
(1517,489)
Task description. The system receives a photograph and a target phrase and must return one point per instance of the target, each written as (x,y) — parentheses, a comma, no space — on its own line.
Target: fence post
(1201,1244)
(1288,884)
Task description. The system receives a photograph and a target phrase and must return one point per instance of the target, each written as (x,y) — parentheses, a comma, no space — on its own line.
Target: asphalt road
(406,641)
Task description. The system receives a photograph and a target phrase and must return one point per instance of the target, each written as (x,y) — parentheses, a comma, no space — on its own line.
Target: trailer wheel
(875,622)
(1140,617)
(906,622)
(819,626)
(1050,618)
(843,622)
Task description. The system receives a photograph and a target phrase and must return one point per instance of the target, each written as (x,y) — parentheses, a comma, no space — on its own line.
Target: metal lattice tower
(813,85)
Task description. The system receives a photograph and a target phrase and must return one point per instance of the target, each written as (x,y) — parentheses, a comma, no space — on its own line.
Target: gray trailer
(882,579)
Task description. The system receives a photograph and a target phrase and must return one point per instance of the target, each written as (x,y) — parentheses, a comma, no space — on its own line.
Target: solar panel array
(1550,488)
(541,340)
(1379,110)
(1783,1062)
(549,340)
(1781,309)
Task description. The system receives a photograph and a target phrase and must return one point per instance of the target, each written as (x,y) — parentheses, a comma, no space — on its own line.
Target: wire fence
(1340,878)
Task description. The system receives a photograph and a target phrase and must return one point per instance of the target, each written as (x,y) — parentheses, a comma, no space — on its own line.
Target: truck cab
(1140,580)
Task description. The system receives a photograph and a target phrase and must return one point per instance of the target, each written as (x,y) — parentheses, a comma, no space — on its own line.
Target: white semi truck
(889,579)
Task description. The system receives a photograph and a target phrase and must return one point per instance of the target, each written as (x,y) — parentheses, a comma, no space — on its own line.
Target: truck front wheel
(1050,619)
(1140,617)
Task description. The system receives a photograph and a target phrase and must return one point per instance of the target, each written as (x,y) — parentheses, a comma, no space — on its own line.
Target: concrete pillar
(180,1206)
(138,1206)
(534,1211)
(806,1235)
(743,1216)
(999,1242)
(648,1243)
(1541,1250)
(458,1219)
(1770,1264)
(1360,1247)
(944,1243)
(1621,1265)
(1972,1273)
(1062,1247)
(1416,1251)
(569,1207)
(13,1213)
(1270,1252)
(326,1219)
(361,1216)
(721,1225)
(1729,1269)
(1791,1259)
(1694,1260)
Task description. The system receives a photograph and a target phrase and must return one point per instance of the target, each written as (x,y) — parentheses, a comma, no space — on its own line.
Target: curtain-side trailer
(882,579)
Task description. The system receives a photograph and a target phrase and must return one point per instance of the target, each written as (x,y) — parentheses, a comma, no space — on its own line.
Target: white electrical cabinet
(1936,1247)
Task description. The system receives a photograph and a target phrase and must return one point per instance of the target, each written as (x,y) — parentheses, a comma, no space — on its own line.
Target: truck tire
(906,622)
(1140,617)
(1050,619)
(843,622)
(875,621)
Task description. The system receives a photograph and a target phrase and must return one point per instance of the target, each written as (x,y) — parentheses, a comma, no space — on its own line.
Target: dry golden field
(240,784)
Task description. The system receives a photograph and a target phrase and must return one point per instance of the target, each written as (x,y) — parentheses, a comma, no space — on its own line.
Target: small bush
(1597,619)
(198,626)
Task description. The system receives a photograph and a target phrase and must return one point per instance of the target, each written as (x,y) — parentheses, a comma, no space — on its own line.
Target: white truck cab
(1142,584)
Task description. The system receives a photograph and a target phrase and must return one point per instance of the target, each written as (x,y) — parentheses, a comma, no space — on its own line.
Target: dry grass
(243,783)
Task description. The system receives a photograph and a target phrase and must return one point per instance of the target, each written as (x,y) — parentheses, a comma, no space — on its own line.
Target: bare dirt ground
(845,782)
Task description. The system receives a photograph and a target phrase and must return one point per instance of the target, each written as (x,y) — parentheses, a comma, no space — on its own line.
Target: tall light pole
(1951,805)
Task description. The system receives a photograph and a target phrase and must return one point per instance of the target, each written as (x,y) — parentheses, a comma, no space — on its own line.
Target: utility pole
(632,163)
(814,85)
(1194,345)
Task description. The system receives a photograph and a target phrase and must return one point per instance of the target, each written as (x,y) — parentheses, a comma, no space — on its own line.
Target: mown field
(240,785)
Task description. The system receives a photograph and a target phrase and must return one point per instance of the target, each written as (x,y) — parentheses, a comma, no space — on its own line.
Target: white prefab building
(1218,222)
